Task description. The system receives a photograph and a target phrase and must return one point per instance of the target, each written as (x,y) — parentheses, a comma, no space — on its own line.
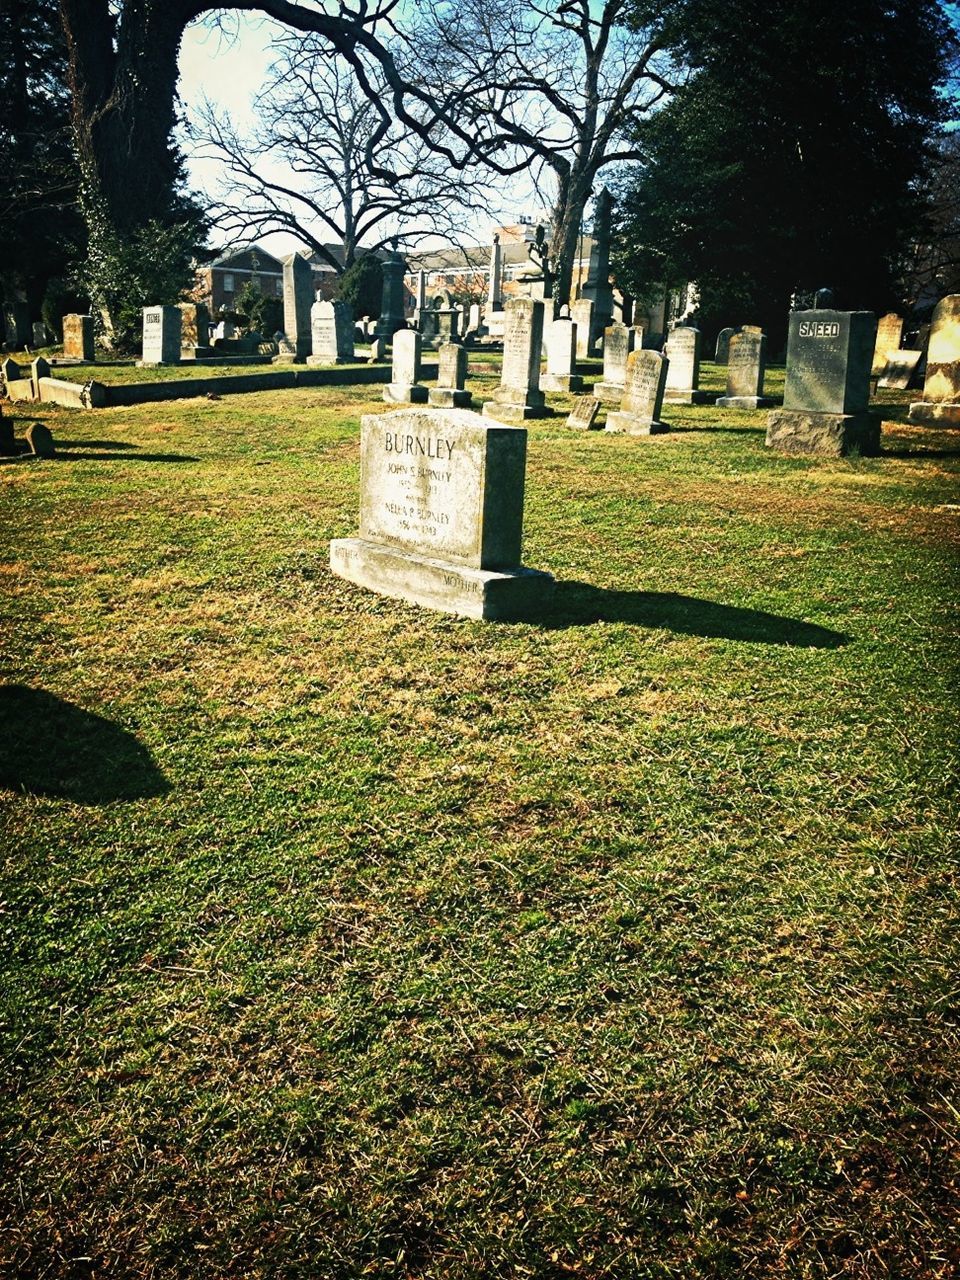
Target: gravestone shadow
(50,747)
(578,604)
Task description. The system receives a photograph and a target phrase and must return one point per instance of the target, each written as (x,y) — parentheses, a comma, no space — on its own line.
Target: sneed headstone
(78,338)
(746,363)
(683,377)
(723,345)
(519,396)
(618,342)
(889,337)
(441,515)
(827,387)
(643,392)
(900,370)
(403,387)
(560,339)
(584,413)
(941,385)
(451,376)
(331,329)
(161,335)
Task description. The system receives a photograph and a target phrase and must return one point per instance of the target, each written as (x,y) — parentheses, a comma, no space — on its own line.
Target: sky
(229,69)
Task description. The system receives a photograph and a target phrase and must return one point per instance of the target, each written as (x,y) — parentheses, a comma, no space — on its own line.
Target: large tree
(792,158)
(318,164)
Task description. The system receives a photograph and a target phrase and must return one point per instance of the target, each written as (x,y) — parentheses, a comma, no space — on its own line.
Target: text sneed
(819,329)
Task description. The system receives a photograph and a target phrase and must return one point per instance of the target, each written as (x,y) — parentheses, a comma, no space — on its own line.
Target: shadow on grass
(920,452)
(577,604)
(95,444)
(49,747)
(85,456)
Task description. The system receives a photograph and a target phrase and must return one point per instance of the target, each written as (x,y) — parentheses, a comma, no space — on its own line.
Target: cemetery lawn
(346,939)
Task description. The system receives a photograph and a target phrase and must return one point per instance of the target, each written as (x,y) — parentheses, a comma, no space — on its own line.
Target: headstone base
(934,414)
(608,392)
(329,360)
(288,357)
(687,395)
(561,382)
(745,402)
(511,414)
(508,596)
(450,398)
(831,435)
(404,393)
(157,364)
(631,425)
(196,353)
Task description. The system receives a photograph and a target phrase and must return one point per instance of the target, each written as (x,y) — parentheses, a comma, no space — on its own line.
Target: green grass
(346,939)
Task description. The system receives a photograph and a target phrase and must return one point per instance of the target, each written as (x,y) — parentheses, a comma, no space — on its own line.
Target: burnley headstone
(403,387)
(331,329)
(161,335)
(519,396)
(451,376)
(618,342)
(683,377)
(560,339)
(941,385)
(643,392)
(441,515)
(746,364)
(827,387)
(78,338)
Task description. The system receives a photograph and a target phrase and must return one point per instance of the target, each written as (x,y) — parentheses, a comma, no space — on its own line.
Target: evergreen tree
(793,156)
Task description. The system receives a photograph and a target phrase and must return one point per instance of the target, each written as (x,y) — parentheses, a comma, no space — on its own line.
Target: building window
(228,283)
(279,284)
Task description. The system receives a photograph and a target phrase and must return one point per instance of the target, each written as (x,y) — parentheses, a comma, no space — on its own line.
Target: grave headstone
(581,313)
(404,389)
(161,335)
(683,377)
(746,364)
(519,396)
(39,368)
(8,443)
(597,287)
(16,322)
(889,337)
(448,324)
(331,328)
(723,345)
(297,300)
(584,413)
(451,377)
(441,515)
(475,317)
(378,350)
(495,283)
(78,338)
(643,392)
(10,370)
(941,384)
(561,344)
(900,370)
(391,305)
(39,441)
(39,334)
(194,331)
(618,342)
(827,387)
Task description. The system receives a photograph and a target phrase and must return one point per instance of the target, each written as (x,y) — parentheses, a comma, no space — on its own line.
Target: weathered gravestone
(723,345)
(618,342)
(391,304)
(683,376)
(331,330)
(746,363)
(451,376)
(900,370)
(581,313)
(39,368)
(297,300)
(889,337)
(941,385)
(378,350)
(78,338)
(474,317)
(194,331)
(495,283)
(561,344)
(519,396)
(447,324)
(827,388)
(161,335)
(643,392)
(441,515)
(584,413)
(403,388)
(39,440)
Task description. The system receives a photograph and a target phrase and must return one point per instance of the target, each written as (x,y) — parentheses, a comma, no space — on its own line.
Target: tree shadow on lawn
(96,450)
(920,452)
(578,604)
(50,747)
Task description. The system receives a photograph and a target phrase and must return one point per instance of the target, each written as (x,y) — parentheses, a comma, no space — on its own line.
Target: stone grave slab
(584,413)
(723,345)
(40,440)
(889,337)
(441,515)
(561,343)
(161,335)
(643,392)
(900,370)
(618,342)
(519,396)
(941,385)
(331,333)
(78,338)
(683,374)
(451,378)
(746,364)
(404,386)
